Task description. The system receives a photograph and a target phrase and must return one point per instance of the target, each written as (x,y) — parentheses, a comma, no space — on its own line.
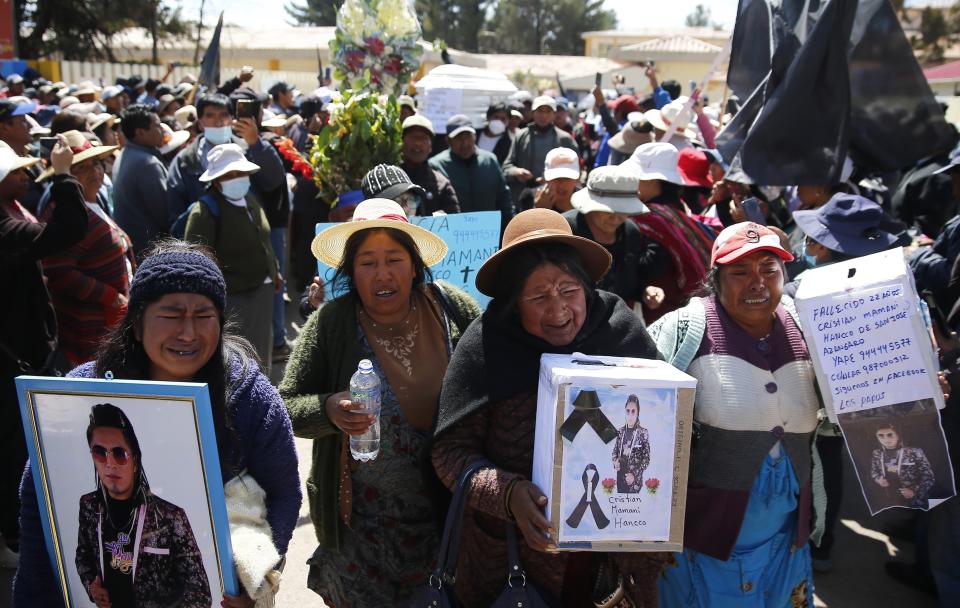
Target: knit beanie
(178,272)
(387,181)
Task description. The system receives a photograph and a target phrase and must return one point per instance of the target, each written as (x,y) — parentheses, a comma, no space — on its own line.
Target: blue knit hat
(178,272)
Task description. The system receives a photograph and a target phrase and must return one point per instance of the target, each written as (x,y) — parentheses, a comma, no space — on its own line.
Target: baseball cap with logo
(744,238)
(561,162)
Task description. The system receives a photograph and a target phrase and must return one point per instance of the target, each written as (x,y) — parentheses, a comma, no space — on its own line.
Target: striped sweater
(750,395)
(86,282)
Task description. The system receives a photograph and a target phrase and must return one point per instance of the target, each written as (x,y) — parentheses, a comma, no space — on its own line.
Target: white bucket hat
(669,114)
(656,160)
(610,189)
(225,158)
(328,246)
(544,100)
(561,162)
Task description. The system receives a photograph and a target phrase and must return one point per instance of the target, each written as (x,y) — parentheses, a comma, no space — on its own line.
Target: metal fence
(105,74)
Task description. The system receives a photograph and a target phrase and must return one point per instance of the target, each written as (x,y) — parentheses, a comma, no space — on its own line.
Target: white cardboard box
(583,438)
(866,333)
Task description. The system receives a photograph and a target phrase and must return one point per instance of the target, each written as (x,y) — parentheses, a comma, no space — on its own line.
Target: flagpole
(723,54)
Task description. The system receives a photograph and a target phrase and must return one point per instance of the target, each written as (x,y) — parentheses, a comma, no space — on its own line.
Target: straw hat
(10,161)
(376,213)
(537,227)
(83,149)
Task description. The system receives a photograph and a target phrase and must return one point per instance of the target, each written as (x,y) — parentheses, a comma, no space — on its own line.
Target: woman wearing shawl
(543,302)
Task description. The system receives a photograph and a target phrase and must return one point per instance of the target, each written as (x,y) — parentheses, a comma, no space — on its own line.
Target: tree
(85,29)
(700,17)
(933,31)
(313,12)
(551,27)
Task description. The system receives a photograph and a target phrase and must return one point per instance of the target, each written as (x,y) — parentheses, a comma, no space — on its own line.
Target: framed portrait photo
(131,498)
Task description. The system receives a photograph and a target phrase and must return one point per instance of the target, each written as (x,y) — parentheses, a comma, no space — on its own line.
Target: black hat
(387,181)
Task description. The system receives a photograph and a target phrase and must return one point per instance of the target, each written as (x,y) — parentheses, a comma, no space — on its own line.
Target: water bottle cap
(365,365)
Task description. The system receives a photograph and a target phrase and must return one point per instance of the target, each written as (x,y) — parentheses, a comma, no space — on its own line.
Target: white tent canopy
(447,90)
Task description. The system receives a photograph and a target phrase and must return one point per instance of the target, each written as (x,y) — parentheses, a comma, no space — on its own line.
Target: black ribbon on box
(586,410)
(591,479)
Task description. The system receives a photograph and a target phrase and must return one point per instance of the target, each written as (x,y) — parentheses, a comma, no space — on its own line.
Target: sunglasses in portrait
(120,455)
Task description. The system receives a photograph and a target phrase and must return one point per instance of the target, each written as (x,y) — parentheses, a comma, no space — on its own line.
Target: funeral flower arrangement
(364,131)
(375,43)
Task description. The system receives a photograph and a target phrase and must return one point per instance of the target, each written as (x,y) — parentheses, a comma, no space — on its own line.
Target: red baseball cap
(744,238)
(694,168)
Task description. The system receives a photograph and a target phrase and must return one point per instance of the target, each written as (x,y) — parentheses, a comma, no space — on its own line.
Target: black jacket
(28,324)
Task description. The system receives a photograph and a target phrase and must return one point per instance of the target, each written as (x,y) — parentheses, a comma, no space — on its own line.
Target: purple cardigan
(266,450)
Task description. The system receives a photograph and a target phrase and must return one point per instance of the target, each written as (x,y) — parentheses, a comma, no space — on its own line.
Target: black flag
(821,80)
(210,66)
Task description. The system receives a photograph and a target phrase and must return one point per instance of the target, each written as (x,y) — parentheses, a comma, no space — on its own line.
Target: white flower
(397,20)
(353,18)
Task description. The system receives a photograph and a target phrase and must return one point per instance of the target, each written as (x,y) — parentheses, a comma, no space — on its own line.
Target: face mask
(218,135)
(497,127)
(811,260)
(236,188)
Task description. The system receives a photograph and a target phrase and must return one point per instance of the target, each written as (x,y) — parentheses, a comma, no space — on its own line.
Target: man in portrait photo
(133,547)
(904,473)
(631,452)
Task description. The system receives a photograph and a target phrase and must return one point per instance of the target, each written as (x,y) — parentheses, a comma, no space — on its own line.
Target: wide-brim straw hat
(539,227)
(372,213)
(83,149)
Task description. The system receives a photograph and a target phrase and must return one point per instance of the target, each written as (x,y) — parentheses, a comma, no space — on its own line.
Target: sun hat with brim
(739,240)
(95,120)
(10,161)
(848,224)
(372,213)
(535,227)
(609,189)
(655,160)
(633,135)
(83,149)
(225,158)
(172,139)
(694,168)
(35,127)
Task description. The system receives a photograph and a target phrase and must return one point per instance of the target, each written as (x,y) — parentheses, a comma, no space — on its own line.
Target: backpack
(179,226)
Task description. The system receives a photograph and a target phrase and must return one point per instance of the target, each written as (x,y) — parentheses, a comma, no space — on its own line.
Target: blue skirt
(764,571)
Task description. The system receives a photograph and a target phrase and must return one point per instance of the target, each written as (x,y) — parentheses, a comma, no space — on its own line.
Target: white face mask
(496,127)
(236,188)
(218,135)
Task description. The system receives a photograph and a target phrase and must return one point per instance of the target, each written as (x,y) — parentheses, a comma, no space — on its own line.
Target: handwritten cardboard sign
(878,375)
(866,334)
(471,239)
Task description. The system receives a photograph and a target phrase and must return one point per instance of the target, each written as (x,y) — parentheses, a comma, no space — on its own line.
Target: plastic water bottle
(365,392)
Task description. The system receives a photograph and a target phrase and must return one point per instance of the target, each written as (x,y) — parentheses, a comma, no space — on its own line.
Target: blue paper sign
(471,238)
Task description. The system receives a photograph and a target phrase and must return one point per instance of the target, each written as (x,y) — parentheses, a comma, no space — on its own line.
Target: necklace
(399,326)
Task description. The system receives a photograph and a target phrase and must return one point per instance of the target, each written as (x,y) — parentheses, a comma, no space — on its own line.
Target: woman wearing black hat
(543,302)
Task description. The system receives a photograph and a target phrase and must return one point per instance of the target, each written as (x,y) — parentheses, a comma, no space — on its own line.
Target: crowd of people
(157,230)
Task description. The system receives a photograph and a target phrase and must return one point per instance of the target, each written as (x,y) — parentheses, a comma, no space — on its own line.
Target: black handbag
(438,592)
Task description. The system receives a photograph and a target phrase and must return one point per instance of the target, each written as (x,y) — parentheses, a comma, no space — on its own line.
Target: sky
(631,14)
